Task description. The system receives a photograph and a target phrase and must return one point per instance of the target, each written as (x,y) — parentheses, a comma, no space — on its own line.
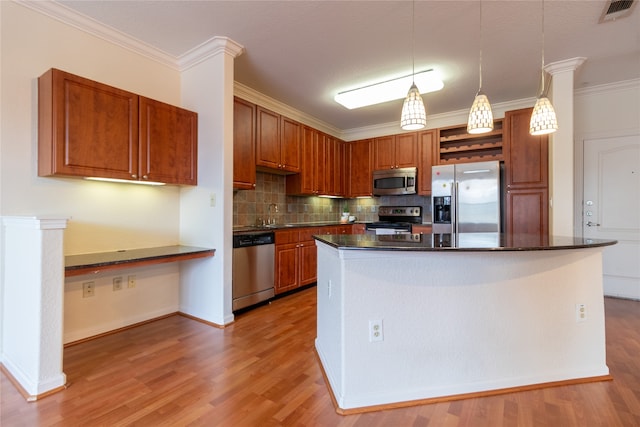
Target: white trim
(207,49)
(89,25)
(608,87)
(35,222)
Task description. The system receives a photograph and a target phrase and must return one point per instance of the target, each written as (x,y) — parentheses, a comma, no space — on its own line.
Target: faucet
(271,219)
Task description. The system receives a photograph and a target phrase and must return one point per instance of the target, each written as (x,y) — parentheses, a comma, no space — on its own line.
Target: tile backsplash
(251,207)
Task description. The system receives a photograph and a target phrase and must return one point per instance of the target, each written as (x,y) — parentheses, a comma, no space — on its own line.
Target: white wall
(102,216)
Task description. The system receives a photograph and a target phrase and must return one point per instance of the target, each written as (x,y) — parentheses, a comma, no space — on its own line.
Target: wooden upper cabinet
(85,128)
(168,143)
(359,168)
(427,146)
(277,141)
(406,150)
(89,129)
(244,145)
(395,151)
(290,144)
(526,157)
(307,181)
(267,138)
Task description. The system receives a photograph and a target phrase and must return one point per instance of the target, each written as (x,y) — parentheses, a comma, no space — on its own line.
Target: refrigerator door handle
(454,206)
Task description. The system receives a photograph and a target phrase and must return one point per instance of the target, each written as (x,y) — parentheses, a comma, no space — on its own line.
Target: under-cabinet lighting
(389,90)
(126,181)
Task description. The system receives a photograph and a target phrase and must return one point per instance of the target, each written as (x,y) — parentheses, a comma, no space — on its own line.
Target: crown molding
(564,65)
(68,16)
(252,95)
(609,87)
(208,49)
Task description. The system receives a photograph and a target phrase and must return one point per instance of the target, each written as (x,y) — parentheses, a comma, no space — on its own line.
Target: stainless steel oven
(395,220)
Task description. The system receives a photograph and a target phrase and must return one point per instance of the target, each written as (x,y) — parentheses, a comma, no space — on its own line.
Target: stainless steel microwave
(394,182)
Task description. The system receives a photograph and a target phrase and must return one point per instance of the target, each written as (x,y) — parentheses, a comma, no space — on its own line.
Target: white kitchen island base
(456,322)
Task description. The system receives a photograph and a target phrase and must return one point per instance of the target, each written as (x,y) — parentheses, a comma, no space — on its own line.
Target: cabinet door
(384,148)
(321,163)
(406,150)
(305,181)
(244,145)
(421,229)
(308,262)
(286,260)
(359,168)
(86,128)
(290,144)
(526,157)
(267,138)
(527,212)
(426,148)
(168,143)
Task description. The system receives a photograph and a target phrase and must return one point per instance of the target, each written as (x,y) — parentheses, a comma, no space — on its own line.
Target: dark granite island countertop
(458,242)
(76,265)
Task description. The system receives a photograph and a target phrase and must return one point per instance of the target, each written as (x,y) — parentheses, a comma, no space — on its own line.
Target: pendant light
(480,115)
(543,118)
(414,116)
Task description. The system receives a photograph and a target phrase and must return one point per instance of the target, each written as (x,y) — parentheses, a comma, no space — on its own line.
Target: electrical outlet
(375,331)
(88,289)
(212,199)
(117,283)
(358,208)
(373,209)
(131,281)
(581,312)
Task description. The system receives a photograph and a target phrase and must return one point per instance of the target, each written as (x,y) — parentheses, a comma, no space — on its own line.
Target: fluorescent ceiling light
(389,90)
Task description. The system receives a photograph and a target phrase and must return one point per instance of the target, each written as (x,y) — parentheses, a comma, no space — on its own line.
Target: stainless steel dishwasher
(253,268)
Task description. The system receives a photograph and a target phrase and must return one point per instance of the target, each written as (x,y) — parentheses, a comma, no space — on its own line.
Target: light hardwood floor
(262,371)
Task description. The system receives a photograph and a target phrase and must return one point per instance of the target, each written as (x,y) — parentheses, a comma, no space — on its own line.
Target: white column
(206,213)
(561,155)
(32,312)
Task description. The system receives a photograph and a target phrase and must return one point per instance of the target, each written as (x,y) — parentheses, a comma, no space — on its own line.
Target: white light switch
(212,199)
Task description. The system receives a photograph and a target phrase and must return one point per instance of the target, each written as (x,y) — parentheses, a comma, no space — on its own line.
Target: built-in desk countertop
(76,265)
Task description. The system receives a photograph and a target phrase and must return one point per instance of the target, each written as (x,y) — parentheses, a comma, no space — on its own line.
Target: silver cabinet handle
(592,224)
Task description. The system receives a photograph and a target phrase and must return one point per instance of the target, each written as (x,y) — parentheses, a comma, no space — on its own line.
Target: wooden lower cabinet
(295,258)
(296,255)
(421,229)
(527,212)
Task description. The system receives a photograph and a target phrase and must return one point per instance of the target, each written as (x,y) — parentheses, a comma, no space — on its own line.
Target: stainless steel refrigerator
(466,198)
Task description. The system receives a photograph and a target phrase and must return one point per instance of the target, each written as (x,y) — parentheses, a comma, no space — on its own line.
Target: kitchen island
(416,318)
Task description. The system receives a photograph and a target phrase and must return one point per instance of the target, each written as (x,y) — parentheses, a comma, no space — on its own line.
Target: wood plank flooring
(262,371)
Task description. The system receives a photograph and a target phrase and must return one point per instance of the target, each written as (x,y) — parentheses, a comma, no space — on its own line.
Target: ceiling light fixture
(414,116)
(480,115)
(388,90)
(543,118)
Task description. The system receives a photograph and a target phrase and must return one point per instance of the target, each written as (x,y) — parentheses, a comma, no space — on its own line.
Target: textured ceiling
(303,52)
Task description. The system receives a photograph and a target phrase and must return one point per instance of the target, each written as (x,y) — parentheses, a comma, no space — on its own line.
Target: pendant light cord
(480,67)
(543,89)
(413,41)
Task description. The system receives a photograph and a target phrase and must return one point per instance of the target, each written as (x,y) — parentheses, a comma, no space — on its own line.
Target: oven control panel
(403,211)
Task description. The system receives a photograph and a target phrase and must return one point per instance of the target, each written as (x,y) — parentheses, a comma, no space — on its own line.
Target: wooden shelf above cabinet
(456,145)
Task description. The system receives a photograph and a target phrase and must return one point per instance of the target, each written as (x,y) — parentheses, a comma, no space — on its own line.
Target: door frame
(578,168)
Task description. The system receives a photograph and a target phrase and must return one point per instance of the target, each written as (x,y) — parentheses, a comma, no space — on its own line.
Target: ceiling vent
(616,9)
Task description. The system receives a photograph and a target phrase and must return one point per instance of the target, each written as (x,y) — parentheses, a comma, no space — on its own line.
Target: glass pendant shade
(543,118)
(480,115)
(414,116)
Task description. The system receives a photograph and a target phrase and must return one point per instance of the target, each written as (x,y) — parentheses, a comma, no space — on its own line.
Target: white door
(611,209)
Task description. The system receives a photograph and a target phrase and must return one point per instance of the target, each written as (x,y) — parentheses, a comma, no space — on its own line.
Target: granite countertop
(459,242)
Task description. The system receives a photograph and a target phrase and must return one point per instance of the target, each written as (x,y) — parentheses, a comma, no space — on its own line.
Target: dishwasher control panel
(253,239)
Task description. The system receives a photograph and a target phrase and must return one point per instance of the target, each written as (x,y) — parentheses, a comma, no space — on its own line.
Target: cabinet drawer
(306,234)
(286,236)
